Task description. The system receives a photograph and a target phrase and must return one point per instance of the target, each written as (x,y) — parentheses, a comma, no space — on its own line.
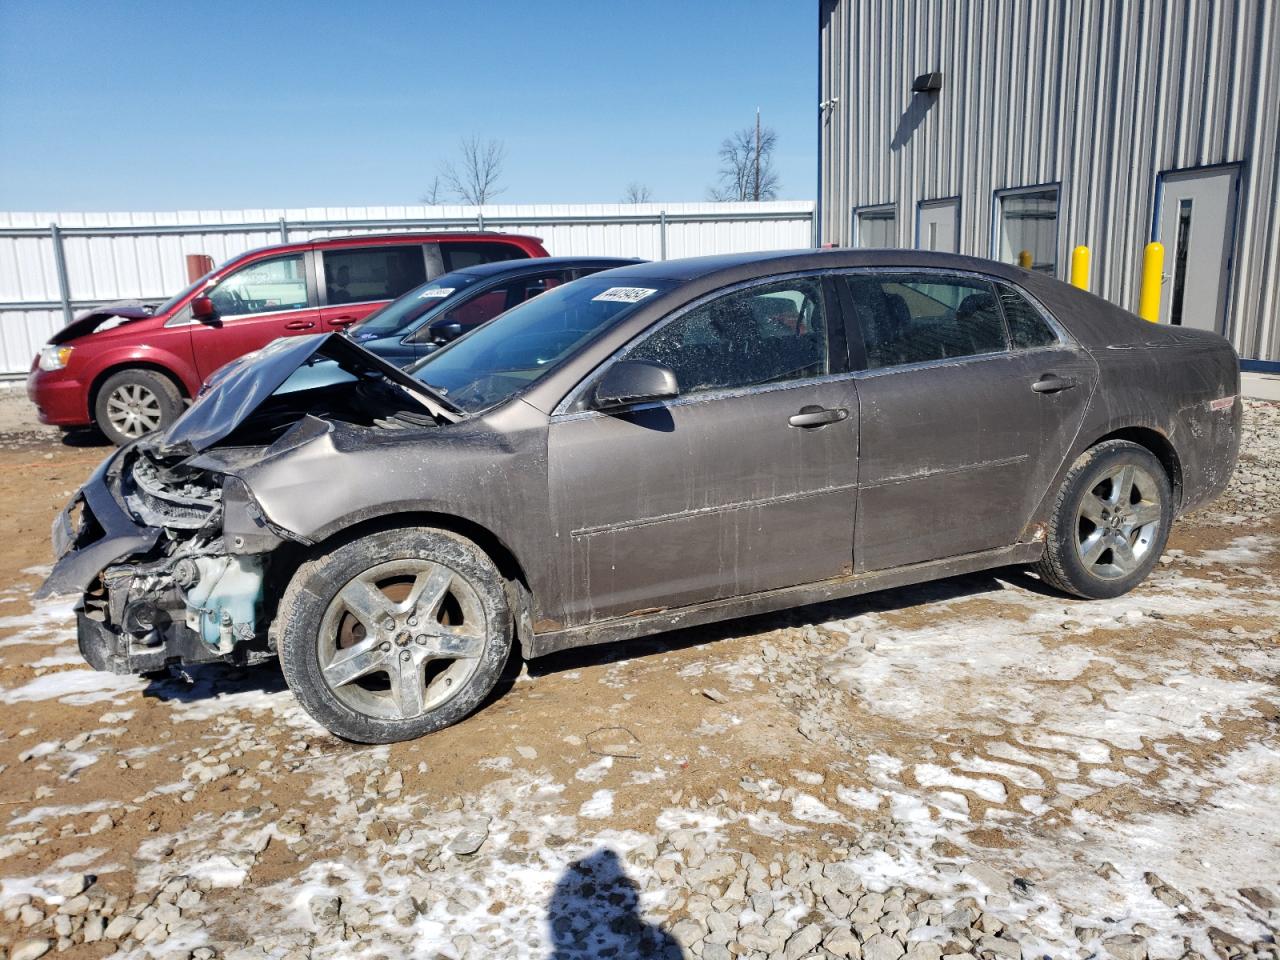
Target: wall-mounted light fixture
(927,83)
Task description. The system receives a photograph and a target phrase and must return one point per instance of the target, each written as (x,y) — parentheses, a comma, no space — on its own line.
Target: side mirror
(202,309)
(629,382)
(447,331)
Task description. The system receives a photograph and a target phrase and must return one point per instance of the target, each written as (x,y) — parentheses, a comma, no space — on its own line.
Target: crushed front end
(162,577)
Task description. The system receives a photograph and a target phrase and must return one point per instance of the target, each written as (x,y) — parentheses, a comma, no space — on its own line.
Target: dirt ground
(973,768)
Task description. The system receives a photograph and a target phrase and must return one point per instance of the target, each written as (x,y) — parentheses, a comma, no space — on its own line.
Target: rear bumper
(59,400)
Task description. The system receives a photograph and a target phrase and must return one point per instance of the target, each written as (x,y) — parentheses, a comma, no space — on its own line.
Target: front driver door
(256,304)
(745,482)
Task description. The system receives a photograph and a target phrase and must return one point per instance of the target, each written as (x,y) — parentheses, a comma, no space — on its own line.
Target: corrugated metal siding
(1098,97)
(104,268)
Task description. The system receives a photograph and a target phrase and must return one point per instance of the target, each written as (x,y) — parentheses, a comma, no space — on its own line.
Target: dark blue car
(450,305)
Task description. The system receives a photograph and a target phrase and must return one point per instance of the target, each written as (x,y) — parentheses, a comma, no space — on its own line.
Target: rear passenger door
(969,399)
(355,281)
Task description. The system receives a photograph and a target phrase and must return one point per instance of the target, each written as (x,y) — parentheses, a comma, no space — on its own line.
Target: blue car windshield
(516,349)
(405,311)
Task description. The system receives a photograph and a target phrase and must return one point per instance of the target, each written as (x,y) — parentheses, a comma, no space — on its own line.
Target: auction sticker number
(435,292)
(624,294)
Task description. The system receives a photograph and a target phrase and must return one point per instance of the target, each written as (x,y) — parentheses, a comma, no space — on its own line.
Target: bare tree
(746,171)
(432,195)
(637,192)
(474,178)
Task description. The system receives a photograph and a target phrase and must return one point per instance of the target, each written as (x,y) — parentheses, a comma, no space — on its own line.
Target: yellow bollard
(1152,273)
(1080,268)
(1024,259)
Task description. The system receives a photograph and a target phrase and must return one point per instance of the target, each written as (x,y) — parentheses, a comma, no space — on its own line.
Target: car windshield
(514,350)
(424,301)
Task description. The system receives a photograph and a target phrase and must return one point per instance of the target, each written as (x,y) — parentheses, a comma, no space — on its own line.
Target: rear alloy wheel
(1110,521)
(395,634)
(133,403)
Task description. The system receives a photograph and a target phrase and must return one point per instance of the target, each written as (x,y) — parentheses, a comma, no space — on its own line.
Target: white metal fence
(52,264)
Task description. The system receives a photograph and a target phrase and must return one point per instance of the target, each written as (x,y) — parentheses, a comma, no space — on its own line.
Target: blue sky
(164,105)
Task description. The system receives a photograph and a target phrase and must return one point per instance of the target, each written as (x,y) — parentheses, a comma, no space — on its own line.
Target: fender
(132,355)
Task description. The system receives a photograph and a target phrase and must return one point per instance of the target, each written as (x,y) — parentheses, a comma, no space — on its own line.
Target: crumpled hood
(238,389)
(87,321)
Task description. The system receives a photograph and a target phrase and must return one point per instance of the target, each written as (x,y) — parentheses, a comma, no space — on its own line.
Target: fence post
(662,235)
(1080,268)
(1152,275)
(284,231)
(480,217)
(60,266)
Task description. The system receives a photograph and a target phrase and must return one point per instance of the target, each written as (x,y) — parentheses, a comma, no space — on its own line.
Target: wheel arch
(121,366)
(1158,444)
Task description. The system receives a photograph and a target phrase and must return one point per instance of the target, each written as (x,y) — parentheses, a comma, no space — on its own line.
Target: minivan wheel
(395,634)
(1109,522)
(133,403)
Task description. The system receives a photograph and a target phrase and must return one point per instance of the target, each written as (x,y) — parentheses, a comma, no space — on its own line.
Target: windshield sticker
(436,292)
(624,294)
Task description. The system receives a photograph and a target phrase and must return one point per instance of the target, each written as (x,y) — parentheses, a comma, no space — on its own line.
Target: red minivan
(130,367)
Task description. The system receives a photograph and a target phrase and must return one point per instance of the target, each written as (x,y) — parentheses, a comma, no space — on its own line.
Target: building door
(938,226)
(1197,228)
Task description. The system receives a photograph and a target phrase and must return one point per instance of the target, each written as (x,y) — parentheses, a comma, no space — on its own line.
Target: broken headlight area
(189,598)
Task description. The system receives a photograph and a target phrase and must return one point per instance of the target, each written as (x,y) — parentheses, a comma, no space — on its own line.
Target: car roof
(758,263)
(538,264)
(420,236)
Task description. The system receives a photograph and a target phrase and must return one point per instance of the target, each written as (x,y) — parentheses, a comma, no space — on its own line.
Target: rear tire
(133,403)
(1109,522)
(395,634)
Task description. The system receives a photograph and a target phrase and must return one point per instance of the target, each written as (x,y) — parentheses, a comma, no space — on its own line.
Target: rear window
(363,274)
(460,255)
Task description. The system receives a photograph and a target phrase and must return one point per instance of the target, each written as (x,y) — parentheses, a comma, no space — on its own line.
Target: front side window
(1027,328)
(764,334)
(921,317)
(500,359)
(460,255)
(877,228)
(266,286)
(1029,229)
(372,273)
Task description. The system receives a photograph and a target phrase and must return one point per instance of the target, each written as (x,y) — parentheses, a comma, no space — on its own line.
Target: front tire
(133,403)
(1109,523)
(395,634)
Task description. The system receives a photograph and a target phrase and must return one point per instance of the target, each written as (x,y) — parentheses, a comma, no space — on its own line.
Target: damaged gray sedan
(653,447)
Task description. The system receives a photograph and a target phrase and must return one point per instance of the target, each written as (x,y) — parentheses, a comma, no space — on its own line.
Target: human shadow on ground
(595,912)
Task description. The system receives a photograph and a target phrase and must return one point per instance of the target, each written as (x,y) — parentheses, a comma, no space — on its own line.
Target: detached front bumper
(92,532)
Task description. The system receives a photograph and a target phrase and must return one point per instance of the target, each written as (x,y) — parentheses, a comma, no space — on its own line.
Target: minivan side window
(764,334)
(365,274)
(265,286)
(920,317)
(459,256)
(1027,327)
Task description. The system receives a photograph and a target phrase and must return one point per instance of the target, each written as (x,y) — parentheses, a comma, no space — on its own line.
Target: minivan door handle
(343,321)
(299,324)
(813,416)
(1052,383)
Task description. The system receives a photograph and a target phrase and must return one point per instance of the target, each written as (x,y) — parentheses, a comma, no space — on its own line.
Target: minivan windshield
(516,349)
(423,301)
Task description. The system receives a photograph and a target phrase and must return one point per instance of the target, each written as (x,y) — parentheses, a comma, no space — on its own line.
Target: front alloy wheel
(395,634)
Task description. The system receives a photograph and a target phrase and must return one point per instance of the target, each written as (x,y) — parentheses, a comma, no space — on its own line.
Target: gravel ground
(974,768)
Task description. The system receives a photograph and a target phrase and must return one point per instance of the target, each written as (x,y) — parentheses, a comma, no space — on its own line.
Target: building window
(1029,228)
(876,227)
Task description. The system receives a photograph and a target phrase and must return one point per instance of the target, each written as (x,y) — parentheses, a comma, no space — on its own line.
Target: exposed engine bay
(172,556)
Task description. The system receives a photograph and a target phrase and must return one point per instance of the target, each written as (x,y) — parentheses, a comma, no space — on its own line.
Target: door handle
(299,324)
(1052,383)
(341,321)
(812,416)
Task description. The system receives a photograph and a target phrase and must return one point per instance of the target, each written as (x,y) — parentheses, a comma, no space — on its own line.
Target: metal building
(1012,128)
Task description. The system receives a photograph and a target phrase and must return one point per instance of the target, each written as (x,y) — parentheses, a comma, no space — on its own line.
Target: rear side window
(372,273)
(458,256)
(1027,328)
(922,317)
(764,334)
